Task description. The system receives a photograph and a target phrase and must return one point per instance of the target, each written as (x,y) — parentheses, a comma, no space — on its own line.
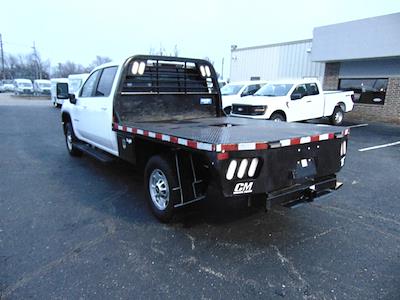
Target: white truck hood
(258,100)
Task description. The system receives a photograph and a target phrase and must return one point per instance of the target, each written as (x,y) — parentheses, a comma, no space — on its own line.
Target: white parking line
(358,125)
(379,146)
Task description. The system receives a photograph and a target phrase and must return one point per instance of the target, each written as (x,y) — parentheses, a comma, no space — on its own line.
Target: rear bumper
(304,192)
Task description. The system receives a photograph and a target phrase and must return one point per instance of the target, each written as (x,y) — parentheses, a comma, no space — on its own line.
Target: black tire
(70,139)
(277,117)
(337,116)
(228,110)
(160,178)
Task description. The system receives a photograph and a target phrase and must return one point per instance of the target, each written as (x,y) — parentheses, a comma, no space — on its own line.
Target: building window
(369,91)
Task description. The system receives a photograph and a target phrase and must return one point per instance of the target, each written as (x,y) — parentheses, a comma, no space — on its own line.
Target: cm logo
(243,188)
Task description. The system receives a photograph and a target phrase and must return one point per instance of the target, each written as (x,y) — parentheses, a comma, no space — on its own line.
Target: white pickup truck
(164,115)
(294,100)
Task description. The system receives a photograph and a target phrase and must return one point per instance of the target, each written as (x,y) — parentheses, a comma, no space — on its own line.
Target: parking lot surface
(75,228)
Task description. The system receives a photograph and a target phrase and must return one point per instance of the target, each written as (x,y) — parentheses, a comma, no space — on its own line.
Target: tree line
(31,66)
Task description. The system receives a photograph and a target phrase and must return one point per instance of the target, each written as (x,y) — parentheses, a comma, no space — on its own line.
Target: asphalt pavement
(74,228)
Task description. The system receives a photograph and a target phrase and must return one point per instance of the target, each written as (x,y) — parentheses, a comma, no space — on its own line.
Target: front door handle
(104,108)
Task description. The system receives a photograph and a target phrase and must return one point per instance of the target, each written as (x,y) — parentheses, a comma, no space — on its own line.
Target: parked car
(41,87)
(294,100)
(8,85)
(144,110)
(23,86)
(75,81)
(235,90)
(59,90)
(2,90)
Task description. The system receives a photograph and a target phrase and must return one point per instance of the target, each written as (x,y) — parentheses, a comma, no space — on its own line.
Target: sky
(80,30)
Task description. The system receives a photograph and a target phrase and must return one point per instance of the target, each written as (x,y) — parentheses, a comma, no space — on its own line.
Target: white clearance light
(203,71)
(142,66)
(135,67)
(343,148)
(231,169)
(242,168)
(208,71)
(253,167)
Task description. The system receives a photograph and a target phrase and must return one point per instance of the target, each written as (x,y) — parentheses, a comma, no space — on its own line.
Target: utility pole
(222,72)
(2,58)
(38,64)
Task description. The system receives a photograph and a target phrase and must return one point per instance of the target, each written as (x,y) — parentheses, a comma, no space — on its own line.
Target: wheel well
(342,106)
(65,118)
(280,112)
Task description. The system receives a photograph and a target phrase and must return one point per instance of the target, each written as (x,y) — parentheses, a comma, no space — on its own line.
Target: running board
(94,152)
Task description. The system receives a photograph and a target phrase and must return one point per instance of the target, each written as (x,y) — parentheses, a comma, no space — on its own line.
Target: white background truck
(164,115)
(235,90)
(294,100)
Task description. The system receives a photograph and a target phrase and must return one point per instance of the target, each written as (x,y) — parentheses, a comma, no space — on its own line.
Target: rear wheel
(337,116)
(277,117)
(159,181)
(70,138)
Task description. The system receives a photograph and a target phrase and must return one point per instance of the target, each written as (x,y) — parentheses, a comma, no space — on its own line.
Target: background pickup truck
(295,100)
(164,114)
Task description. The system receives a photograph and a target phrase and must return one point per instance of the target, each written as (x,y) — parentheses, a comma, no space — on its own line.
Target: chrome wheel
(338,117)
(69,139)
(159,189)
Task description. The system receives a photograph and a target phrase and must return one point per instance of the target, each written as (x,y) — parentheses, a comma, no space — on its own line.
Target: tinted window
(88,87)
(106,82)
(274,90)
(370,91)
(300,89)
(312,89)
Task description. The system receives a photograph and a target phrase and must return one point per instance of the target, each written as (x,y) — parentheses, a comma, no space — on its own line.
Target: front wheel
(337,116)
(160,180)
(277,117)
(70,138)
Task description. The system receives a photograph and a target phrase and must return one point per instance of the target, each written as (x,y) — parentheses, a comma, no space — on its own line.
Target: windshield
(230,89)
(25,84)
(44,85)
(74,85)
(274,90)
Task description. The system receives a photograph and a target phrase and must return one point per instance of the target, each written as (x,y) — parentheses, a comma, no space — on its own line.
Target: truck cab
(294,100)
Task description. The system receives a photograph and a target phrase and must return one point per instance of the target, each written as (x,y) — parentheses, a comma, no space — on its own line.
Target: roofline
(358,20)
(272,45)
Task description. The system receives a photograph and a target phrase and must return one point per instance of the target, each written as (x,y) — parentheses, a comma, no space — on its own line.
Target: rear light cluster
(242,167)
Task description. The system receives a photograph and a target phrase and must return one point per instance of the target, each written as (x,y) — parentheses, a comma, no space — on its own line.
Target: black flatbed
(234,130)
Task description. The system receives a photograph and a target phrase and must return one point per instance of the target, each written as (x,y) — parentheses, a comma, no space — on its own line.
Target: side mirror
(62,90)
(72,98)
(296,96)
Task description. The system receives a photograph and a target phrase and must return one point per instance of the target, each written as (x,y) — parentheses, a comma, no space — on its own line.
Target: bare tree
(97,62)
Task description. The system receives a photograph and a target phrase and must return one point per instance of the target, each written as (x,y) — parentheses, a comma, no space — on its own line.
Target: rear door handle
(308,101)
(104,108)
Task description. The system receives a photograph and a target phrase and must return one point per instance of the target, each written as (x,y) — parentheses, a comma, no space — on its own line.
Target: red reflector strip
(331,136)
(315,138)
(158,136)
(261,146)
(295,141)
(174,140)
(192,144)
(229,147)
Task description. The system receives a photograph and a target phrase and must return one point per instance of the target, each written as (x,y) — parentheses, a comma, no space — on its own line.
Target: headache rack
(168,75)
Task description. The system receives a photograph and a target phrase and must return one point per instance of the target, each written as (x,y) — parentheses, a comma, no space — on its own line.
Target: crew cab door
(94,108)
(306,102)
(298,105)
(315,101)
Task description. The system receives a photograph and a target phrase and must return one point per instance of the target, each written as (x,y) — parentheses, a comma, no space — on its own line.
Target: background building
(362,55)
